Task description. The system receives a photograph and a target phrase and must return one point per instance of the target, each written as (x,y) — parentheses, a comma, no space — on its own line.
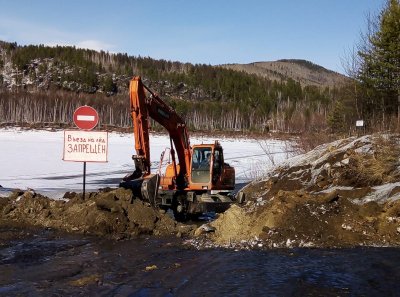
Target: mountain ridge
(303,71)
(42,66)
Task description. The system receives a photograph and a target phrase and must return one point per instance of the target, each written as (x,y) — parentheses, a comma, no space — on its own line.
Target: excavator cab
(208,170)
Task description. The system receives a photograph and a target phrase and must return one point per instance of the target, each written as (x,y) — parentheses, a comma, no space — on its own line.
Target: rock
(331,197)
(323,184)
(86,280)
(107,202)
(346,227)
(345,161)
(29,194)
(69,195)
(124,195)
(205,228)
(199,231)
(150,268)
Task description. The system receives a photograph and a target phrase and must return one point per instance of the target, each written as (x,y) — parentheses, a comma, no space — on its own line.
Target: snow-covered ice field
(33,159)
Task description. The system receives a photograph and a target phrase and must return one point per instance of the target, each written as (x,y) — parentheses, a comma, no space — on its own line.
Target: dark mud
(39,262)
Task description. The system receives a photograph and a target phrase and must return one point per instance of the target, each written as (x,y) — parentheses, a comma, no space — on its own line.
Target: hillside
(305,72)
(55,80)
(77,70)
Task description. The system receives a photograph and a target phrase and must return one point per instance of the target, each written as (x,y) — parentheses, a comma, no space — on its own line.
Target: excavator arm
(142,108)
(140,126)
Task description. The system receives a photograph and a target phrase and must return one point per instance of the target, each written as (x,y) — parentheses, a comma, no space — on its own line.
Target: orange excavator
(199,182)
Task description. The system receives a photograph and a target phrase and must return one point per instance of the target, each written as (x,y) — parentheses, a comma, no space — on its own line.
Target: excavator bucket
(146,188)
(149,188)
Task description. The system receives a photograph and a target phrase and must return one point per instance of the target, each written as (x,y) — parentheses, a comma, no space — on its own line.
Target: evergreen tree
(380,60)
(336,120)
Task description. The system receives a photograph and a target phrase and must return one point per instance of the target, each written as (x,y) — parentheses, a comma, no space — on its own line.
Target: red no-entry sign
(86,117)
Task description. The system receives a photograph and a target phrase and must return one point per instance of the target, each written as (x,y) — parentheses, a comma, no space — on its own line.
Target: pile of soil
(115,214)
(345,193)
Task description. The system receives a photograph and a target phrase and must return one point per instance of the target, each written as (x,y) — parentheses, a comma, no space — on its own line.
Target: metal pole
(84,179)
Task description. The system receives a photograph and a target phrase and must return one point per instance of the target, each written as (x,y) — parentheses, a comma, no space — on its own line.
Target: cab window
(201,162)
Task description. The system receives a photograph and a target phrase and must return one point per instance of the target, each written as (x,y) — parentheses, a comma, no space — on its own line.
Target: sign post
(84,179)
(84,145)
(360,126)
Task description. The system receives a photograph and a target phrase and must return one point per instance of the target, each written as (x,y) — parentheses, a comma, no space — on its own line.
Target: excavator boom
(142,108)
(140,118)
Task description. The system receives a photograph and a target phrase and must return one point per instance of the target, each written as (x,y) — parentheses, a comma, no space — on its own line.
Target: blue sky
(198,31)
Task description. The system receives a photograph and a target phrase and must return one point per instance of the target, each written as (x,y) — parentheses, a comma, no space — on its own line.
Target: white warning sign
(85,146)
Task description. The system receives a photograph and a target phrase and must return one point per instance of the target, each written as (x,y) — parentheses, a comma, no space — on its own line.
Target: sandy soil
(340,194)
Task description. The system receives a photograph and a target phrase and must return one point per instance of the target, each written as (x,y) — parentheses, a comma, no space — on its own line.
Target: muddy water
(37,263)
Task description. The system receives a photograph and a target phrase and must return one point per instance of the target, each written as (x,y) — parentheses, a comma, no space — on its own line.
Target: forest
(208,97)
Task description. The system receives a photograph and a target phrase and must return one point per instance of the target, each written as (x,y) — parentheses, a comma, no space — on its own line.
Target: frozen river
(33,159)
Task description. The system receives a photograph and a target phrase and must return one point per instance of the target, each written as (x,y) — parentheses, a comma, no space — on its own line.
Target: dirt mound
(115,214)
(344,193)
